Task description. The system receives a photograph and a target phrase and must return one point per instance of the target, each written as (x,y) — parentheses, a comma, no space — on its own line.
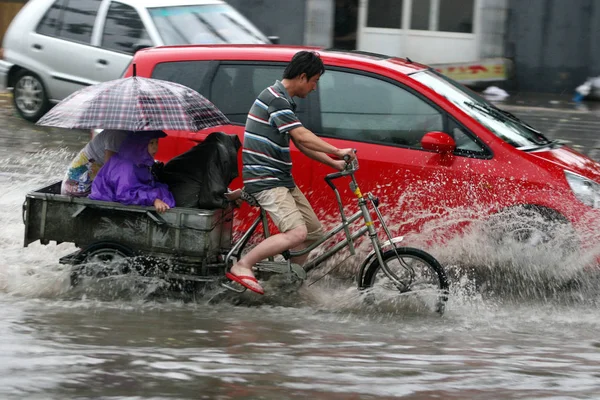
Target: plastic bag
(199,177)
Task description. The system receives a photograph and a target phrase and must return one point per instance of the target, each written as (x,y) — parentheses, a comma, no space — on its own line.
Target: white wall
(424,47)
(319,23)
(434,47)
(493,27)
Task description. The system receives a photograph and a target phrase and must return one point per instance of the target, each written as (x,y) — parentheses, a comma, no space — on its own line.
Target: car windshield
(502,123)
(204,24)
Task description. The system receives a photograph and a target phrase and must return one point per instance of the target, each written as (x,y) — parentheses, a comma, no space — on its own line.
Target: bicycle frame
(349,239)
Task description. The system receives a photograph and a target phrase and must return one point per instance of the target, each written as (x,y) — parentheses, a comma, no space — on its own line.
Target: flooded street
(324,342)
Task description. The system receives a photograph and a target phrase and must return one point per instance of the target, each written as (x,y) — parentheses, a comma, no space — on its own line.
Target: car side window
(235,87)
(50,23)
(465,143)
(363,108)
(193,74)
(78,20)
(123,29)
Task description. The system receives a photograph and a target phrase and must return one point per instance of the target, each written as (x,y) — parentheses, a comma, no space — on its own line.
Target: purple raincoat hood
(126,178)
(135,147)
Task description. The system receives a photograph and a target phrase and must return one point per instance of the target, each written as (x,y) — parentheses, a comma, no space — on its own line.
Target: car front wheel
(29,96)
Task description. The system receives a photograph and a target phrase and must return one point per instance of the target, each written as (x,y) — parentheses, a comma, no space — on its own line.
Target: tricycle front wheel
(415,273)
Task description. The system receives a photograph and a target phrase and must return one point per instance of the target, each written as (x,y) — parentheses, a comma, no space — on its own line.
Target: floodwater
(527,335)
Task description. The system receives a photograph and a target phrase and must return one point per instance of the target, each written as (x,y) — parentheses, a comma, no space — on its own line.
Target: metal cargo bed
(181,232)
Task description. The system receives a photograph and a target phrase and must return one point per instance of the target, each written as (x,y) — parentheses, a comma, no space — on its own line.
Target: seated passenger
(127,178)
(84,167)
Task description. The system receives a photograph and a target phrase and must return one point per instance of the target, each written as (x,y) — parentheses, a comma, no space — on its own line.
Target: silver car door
(120,33)
(59,46)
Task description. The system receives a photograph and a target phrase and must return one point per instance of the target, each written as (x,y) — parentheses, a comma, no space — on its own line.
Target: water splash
(483,269)
(29,271)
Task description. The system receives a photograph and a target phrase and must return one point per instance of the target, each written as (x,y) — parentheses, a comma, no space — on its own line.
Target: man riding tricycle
(196,245)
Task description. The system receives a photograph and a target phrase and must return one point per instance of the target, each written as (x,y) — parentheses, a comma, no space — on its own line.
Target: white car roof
(164,3)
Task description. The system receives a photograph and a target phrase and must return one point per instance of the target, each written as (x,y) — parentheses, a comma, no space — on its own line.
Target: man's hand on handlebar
(347,157)
(346,154)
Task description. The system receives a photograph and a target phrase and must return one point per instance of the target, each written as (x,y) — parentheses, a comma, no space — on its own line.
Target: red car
(436,153)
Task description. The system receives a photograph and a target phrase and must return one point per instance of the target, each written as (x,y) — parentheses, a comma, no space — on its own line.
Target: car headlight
(586,190)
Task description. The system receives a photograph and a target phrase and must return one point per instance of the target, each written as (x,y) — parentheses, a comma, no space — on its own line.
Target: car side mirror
(439,142)
(140,45)
(274,39)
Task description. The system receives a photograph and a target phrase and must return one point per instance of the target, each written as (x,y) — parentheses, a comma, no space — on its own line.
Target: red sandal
(249,282)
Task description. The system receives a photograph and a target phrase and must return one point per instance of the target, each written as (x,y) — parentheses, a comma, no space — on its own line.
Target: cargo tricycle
(196,246)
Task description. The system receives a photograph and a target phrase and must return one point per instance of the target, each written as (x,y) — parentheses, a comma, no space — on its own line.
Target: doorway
(345,24)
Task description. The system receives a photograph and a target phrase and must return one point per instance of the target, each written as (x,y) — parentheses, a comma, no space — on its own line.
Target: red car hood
(571,160)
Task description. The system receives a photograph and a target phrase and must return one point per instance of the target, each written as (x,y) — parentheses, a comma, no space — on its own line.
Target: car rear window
(51,21)
(236,86)
(193,74)
(231,87)
(70,19)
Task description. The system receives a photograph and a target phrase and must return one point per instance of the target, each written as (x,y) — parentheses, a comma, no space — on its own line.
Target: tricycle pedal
(191,278)
(230,286)
(281,267)
(298,271)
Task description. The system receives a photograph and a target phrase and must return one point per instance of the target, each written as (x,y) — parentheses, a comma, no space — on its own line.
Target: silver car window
(123,29)
(204,24)
(50,23)
(78,20)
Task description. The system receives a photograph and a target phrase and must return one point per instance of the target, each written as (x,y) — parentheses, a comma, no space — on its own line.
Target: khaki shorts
(289,209)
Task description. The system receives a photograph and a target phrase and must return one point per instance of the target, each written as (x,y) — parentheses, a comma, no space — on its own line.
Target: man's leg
(282,207)
(271,246)
(313,225)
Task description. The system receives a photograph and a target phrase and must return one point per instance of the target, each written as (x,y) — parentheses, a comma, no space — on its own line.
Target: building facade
(462,38)
(429,31)
(433,31)
(553,43)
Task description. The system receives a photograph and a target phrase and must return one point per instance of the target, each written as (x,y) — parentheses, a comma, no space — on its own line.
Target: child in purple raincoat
(127,178)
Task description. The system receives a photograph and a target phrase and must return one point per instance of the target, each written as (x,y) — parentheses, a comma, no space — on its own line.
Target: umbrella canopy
(135,104)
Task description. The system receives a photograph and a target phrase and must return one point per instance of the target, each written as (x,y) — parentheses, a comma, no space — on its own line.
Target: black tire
(417,265)
(29,96)
(100,260)
(530,226)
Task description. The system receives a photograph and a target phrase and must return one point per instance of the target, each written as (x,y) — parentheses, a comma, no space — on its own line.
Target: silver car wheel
(29,95)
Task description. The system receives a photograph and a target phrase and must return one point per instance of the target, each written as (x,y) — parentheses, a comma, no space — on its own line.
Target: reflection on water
(517,325)
(85,349)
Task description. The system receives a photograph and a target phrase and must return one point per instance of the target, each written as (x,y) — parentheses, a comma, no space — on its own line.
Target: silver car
(55,47)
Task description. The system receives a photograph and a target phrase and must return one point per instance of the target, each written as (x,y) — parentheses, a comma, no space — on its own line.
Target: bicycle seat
(248,198)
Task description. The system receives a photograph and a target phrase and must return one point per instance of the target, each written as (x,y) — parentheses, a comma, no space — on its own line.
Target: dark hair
(304,62)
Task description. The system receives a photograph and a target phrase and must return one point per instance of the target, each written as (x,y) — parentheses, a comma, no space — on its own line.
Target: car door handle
(102,62)
(37,46)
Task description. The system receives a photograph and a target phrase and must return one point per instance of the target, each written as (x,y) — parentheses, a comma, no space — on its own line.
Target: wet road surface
(322,343)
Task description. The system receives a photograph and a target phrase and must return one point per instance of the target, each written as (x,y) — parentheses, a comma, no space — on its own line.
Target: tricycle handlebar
(351,167)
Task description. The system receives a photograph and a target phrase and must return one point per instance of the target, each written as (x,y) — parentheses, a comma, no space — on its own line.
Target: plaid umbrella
(135,104)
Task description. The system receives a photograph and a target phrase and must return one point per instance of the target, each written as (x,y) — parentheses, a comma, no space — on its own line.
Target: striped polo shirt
(266,152)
